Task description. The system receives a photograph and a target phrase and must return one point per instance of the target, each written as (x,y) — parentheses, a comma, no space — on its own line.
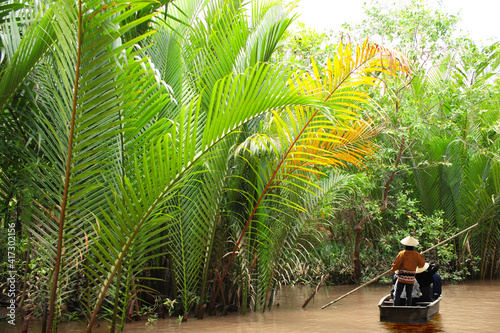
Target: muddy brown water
(466,307)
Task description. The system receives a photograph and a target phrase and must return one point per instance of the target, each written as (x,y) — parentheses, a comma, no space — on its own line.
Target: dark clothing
(425,279)
(399,290)
(426,294)
(415,292)
(436,286)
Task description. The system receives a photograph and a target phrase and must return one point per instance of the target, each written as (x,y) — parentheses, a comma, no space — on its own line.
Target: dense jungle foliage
(188,156)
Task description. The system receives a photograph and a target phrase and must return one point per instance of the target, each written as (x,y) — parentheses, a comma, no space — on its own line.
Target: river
(466,307)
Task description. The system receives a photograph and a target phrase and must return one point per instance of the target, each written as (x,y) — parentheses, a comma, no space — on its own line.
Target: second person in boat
(425,278)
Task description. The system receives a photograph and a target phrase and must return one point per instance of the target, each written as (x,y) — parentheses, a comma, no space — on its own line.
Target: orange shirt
(407,262)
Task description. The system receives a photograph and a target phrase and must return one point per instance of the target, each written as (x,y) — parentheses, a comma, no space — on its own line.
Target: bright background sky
(479,18)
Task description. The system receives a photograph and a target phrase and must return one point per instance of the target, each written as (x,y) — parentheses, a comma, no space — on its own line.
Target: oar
(387,272)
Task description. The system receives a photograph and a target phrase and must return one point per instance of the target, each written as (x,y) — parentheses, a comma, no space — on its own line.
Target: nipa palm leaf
(336,87)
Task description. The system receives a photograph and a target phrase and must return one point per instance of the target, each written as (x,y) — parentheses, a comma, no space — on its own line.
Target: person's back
(407,262)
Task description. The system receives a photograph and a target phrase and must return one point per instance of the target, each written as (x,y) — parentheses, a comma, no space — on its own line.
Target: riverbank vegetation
(185,157)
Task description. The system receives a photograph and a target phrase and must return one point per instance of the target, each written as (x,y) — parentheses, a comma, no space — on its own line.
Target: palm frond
(35,42)
(293,171)
(164,166)
(80,100)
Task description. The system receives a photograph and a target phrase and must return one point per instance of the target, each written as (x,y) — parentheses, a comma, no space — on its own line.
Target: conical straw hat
(423,269)
(409,241)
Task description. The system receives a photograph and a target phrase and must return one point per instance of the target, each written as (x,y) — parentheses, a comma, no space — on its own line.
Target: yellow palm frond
(333,147)
(348,69)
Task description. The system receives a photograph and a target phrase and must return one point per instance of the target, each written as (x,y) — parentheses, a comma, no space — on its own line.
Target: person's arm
(421,261)
(397,262)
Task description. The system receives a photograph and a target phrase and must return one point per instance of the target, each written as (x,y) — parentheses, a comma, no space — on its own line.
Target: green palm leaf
(301,142)
(80,102)
(165,165)
(35,42)
(212,49)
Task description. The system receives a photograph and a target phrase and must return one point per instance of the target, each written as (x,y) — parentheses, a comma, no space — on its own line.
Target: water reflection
(434,326)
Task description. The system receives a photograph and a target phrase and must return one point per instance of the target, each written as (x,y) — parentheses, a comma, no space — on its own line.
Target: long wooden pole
(387,272)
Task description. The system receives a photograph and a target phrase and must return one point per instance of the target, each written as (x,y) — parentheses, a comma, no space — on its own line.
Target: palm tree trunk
(57,267)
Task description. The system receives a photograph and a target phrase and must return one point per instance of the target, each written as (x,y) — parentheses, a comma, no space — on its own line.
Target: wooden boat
(420,313)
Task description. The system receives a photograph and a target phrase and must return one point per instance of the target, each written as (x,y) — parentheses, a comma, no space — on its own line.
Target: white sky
(480,18)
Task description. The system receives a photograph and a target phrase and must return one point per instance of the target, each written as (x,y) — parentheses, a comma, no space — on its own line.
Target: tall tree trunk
(357,261)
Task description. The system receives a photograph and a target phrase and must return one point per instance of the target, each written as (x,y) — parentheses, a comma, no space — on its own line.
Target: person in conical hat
(425,277)
(407,263)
